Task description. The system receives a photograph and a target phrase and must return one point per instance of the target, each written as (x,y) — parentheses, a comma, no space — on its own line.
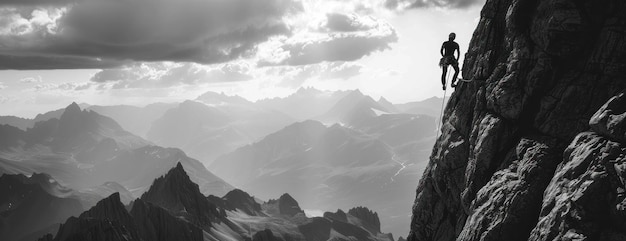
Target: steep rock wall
(520,156)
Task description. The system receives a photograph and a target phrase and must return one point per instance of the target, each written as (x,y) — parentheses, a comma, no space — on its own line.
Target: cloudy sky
(106,52)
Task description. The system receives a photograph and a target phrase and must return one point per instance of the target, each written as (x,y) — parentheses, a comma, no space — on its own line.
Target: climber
(447,52)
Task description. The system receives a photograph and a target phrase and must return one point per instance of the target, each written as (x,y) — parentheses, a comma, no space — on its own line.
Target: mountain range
(346,148)
(333,166)
(174,209)
(83,149)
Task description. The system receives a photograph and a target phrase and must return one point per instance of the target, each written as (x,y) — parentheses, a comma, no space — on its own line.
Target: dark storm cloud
(408,4)
(54,62)
(201,31)
(36,2)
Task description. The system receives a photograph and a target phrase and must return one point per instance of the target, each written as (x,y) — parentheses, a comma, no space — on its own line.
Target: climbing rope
(443,101)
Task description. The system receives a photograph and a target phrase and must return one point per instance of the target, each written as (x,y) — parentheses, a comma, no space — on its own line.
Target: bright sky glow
(330,45)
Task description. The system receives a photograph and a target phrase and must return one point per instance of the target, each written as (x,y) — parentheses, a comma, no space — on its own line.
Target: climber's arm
(441,51)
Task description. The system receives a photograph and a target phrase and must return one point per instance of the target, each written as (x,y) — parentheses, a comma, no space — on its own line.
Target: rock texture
(155,223)
(30,204)
(522,156)
(340,215)
(368,218)
(109,220)
(284,205)
(240,200)
(265,235)
(174,209)
(178,194)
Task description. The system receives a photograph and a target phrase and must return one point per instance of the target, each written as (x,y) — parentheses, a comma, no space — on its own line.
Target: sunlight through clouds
(257,49)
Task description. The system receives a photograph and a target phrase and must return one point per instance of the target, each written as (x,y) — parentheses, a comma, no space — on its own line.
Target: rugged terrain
(534,147)
(365,153)
(83,149)
(174,209)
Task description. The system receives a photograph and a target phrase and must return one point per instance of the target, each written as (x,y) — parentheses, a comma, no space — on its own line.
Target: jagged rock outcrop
(163,215)
(265,235)
(155,223)
(288,206)
(522,155)
(110,221)
(178,194)
(237,200)
(173,209)
(368,219)
(240,200)
(585,200)
(340,215)
(284,205)
(316,229)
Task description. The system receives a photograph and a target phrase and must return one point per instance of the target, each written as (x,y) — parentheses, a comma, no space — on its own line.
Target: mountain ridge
(153,217)
(84,149)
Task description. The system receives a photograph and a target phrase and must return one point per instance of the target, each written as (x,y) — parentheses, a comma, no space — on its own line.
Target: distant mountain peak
(369,218)
(189,102)
(71,110)
(176,174)
(356,93)
(387,104)
(286,197)
(383,100)
(308,90)
(340,215)
(179,167)
(238,199)
(73,105)
(237,194)
(353,108)
(288,205)
(285,205)
(214,98)
(177,193)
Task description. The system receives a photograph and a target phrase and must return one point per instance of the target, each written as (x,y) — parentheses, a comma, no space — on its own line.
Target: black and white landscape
(312,120)
(216,167)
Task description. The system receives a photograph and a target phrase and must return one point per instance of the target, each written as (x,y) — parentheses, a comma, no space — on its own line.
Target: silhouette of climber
(447,52)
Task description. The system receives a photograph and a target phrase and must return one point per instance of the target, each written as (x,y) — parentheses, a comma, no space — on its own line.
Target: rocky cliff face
(522,155)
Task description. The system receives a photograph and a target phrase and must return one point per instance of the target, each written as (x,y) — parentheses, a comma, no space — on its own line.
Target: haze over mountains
(83,149)
(330,150)
(174,209)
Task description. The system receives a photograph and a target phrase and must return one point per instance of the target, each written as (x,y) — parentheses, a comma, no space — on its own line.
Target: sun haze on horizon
(60,51)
